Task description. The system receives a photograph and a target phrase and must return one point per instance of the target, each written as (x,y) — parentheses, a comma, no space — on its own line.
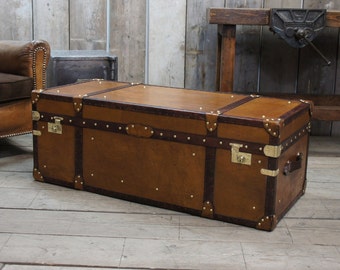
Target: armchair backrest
(25,58)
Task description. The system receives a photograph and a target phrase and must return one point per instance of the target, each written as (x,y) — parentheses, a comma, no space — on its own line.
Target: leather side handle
(293,165)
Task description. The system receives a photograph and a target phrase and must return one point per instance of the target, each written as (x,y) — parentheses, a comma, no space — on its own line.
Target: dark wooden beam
(253,16)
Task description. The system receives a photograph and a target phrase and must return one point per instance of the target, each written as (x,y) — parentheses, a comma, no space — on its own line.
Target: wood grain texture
(201,42)
(127,38)
(166,52)
(15,20)
(87,25)
(51,22)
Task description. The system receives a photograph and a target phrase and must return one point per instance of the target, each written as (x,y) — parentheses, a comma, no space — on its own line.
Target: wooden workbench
(327,107)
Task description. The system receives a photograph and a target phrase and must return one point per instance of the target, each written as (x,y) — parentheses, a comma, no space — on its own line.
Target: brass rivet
(104,96)
(92,138)
(122,181)
(188,138)
(191,196)
(221,142)
(107,126)
(45,166)
(193,154)
(208,123)
(208,202)
(95,124)
(204,208)
(120,128)
(70,120)
(175,136)
(254,207)
(84,122)
(146,128)
(161,134)
(246,146)
(92,174)
(260,148)
(204,140)
(132,126)
(211,210)
(259,162)
(157,188)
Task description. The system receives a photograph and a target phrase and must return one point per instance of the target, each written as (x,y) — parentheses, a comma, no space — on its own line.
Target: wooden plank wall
(169,42)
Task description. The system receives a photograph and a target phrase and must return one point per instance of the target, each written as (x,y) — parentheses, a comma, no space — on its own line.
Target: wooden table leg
(226,57)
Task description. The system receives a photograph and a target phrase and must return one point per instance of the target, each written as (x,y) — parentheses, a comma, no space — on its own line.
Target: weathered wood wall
(169,42)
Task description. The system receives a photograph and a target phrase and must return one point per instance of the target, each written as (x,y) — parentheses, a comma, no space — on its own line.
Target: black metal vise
(298,27)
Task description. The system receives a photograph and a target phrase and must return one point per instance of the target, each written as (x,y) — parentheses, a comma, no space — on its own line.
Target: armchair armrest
(26,59)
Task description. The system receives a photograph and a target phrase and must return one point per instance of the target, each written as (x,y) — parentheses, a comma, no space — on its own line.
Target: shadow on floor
(9,148)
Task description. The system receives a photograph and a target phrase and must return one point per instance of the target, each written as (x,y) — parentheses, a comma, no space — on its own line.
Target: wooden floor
(43,226)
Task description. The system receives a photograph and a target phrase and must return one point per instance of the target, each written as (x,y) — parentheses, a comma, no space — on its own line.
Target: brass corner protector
(37,175)
(78,182)
(267,223)
(270,173)
(273,151)
(35,116)
(207,209)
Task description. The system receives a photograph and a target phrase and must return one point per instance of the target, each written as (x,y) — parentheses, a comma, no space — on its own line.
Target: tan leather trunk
(235,158)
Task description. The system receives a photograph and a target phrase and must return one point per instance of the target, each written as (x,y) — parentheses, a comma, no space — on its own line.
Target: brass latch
(239,157)
(56,127)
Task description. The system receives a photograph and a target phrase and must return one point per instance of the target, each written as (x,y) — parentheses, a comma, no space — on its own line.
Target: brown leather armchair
(22,68)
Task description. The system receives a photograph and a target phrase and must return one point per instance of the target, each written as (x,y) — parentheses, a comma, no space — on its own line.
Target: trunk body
(236,158)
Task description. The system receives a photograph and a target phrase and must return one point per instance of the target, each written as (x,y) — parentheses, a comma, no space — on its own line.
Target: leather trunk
(235,158)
